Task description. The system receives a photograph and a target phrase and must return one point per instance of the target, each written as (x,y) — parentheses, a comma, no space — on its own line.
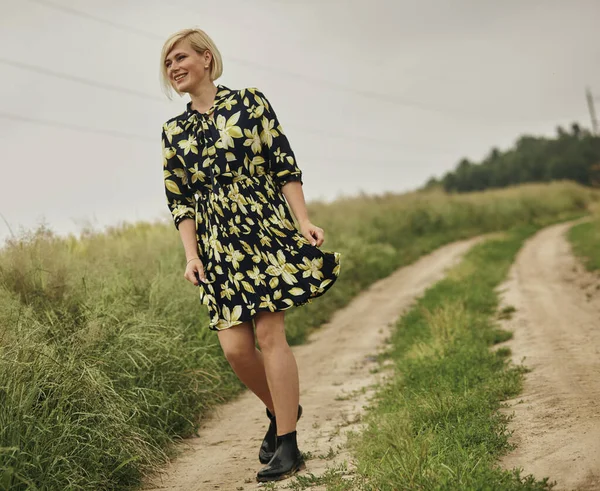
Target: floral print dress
(225,169)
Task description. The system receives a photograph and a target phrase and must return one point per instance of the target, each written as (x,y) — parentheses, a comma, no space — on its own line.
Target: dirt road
(335,374)
(557,330)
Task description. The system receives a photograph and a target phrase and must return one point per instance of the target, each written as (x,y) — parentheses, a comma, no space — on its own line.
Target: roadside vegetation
(585,240)
(106,358)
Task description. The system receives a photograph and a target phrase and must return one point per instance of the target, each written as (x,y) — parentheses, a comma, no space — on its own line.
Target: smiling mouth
(179,77)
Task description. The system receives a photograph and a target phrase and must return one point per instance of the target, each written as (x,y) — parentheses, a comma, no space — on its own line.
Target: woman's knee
(238,344)
(270,332)
(239,354)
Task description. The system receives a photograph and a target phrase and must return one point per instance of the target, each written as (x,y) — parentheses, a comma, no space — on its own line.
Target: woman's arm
(281,159)
(181,201)
(180,198)
(284,169)
(187,232)
(294,195)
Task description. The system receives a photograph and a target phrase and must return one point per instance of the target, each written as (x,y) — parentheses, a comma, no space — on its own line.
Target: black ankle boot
(286,461)
(269,443)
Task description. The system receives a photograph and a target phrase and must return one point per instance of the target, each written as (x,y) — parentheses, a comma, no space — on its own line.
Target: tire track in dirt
(336,378)
(556,334)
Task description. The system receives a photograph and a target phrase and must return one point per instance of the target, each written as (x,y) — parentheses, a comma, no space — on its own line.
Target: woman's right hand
(195,267)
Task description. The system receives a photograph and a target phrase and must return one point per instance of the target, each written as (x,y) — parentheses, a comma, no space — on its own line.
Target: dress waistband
(219,180)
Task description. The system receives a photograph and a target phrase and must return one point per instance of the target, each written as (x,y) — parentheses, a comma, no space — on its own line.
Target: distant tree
(573,154)
(432,183)
(595,175)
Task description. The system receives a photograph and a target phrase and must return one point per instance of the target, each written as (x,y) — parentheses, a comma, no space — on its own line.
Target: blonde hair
(200,42)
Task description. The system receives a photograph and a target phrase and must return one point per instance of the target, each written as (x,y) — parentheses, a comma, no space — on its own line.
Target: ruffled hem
(332,262)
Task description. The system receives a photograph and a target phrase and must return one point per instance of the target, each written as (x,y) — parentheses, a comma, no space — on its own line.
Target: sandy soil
(336,377)
(557,335)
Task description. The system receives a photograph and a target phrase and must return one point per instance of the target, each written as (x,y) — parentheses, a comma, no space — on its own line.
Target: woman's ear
(207,57)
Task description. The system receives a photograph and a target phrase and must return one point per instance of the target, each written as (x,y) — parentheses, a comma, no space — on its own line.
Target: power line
(145,95)
(387,98)
(390,99)
(126,91)
(120,134)
(80,80)
(131,92)
(342,136)
(86,15)
(74,127)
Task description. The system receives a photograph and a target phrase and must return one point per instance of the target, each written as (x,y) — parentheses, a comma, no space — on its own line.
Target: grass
(435,424)
(585,240)
(105,355)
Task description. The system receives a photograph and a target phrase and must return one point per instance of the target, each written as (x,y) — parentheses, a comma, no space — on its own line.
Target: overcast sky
(374,95)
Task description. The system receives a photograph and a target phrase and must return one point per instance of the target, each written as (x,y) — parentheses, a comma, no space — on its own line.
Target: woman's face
(185,67)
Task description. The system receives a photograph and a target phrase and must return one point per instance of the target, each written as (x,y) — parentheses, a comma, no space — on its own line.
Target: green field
(105,355)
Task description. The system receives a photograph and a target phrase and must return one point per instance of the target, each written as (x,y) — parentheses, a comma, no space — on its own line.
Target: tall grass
(585,240)
(105,355)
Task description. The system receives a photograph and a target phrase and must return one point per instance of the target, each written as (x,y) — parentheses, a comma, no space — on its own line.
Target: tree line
(574,154)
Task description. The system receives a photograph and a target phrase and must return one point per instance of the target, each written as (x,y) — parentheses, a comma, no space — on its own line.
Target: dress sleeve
(180,198)
(282,161)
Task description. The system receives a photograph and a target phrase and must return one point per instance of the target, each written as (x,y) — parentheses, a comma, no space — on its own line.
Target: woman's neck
(203,97)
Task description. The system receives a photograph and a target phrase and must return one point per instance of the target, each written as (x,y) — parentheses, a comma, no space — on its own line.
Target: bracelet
(192,259)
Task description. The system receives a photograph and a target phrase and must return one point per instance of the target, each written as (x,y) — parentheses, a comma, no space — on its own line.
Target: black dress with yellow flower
(225,169)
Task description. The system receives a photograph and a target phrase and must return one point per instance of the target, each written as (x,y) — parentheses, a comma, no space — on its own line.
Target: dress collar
(222,93)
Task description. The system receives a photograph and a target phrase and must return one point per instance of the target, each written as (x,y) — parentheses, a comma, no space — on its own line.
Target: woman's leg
(281,368)
(247,362)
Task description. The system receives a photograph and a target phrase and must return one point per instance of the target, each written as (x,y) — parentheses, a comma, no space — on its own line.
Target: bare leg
(281,368)
(247,362)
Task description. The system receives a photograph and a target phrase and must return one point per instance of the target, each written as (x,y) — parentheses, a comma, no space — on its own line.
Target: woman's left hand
(312,233)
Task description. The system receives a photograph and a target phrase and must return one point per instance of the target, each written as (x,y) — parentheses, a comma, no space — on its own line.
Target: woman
(229,170)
